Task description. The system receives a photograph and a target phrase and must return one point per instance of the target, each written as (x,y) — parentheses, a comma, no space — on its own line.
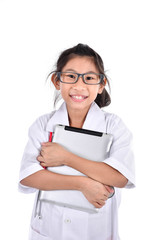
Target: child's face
(79,96)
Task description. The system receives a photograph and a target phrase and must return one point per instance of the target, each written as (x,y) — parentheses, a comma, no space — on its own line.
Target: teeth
(78,97)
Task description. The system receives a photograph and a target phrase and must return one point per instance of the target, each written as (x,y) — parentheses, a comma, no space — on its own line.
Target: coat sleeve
(121,155)
(29,163)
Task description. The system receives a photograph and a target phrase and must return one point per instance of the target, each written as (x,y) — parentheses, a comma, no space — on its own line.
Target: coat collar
(95,119)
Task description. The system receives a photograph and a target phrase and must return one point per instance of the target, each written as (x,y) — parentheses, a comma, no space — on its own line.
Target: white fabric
(60,223)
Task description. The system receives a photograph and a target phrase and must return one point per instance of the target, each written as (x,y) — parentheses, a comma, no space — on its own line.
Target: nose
(79,84)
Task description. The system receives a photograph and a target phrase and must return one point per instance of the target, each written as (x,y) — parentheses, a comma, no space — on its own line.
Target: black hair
(102,99)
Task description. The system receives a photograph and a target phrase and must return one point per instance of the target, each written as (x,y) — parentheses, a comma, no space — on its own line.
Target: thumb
(109,188)
(46,143)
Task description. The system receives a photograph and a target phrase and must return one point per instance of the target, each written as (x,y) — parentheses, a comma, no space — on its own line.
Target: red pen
(50,140)
(50,137)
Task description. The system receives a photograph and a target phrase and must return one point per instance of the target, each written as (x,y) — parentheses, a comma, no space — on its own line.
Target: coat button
(67,220)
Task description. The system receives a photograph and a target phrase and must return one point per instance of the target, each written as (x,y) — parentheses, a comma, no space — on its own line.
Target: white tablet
(85,143)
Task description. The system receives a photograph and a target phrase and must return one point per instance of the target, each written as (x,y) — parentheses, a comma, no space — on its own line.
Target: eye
(70,76)
(89,78)
(92,78)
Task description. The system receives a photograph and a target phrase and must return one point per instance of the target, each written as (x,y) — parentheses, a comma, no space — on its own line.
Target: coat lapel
(95,119)
(59,117)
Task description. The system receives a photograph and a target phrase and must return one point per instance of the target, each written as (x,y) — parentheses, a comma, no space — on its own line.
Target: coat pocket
(34,235)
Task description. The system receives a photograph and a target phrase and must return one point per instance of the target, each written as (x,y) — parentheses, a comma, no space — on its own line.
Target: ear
(55,81)
(102,86)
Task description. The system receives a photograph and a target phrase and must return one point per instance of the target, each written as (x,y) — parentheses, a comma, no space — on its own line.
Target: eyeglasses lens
(89,78)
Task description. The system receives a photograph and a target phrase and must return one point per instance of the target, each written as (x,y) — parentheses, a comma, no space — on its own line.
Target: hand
(95,192)
(52,154)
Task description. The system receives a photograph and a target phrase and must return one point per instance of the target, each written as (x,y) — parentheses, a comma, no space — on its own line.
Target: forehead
(80,64)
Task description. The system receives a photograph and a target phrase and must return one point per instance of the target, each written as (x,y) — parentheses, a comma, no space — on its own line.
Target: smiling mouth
(78,98)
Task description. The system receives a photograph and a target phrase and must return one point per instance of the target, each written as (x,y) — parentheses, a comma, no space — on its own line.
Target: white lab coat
(58,223)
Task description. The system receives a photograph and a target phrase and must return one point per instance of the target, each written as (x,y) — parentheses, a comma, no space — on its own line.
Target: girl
(81,80)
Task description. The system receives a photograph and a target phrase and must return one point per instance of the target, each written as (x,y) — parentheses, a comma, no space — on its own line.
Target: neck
(77,118)
(76,123)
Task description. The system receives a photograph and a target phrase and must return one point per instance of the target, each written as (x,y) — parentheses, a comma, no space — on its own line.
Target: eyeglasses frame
(80,75)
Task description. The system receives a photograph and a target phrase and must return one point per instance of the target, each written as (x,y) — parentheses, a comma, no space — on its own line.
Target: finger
(105,198)
(109,189)
(109,195)
(43,151)
(45,144)
(40,158)
(99,204)
(43,164)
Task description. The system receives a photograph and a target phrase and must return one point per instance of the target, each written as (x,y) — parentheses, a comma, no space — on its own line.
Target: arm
(53,154)
(95,192)
(47,180)
(98,171)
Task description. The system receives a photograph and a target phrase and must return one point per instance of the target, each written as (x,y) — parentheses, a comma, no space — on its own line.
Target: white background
(127,36)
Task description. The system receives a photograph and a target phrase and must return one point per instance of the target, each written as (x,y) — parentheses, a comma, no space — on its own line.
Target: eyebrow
(72,70)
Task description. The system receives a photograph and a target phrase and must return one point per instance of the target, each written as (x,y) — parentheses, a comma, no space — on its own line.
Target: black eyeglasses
(88,78)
